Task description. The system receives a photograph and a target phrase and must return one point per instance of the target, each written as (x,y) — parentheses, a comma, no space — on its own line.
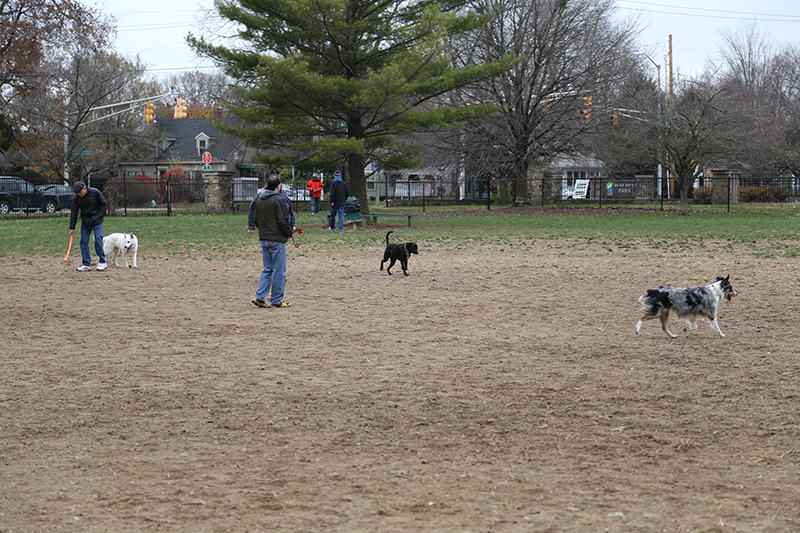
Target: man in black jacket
(92,205)
(339,193)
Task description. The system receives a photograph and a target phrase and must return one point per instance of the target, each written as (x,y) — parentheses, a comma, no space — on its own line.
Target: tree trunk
(521,182)
(357,180)
(684,183)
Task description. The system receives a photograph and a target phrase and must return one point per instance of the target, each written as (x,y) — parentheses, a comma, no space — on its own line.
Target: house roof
(183,134)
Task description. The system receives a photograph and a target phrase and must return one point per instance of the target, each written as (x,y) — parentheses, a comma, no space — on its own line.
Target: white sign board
(581,188)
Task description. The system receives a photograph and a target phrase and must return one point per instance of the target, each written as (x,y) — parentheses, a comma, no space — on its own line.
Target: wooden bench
(375,216)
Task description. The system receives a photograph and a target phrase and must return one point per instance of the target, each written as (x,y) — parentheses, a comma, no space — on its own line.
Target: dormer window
(202,143)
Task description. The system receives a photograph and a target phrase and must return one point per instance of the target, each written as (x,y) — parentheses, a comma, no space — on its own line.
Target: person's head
(80,188)
(273,182)
(337,174)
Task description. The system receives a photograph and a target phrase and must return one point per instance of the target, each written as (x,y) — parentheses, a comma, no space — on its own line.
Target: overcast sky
(155,30)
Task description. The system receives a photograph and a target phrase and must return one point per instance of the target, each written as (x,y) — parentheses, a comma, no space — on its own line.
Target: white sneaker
(84,268)
(102,266)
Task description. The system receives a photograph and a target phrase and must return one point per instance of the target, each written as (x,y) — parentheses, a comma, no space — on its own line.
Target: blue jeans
(340,212)
(273,277)
(315,205)
(98,243)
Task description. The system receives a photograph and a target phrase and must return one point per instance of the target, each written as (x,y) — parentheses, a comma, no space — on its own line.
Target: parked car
(294,193)
(63,194)
(18,194)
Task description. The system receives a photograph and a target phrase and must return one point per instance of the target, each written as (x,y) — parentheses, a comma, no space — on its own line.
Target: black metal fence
(599,191)
(141,195)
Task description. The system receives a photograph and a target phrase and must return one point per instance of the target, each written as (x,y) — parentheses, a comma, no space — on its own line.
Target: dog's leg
(392,261)
(404,266)
(715,326)
(125,257)
(134,257)
(664,318)
(639,325)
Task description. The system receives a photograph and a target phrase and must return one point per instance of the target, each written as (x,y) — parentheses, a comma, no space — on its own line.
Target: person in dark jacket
(338,194)
(92,206)
(271,213)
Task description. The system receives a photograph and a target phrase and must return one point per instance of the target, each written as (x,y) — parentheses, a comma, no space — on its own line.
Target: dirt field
(497,388)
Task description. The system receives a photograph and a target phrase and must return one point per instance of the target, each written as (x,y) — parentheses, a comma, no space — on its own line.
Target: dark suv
(16,193)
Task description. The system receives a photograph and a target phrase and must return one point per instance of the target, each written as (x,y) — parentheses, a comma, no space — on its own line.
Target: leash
(296,230)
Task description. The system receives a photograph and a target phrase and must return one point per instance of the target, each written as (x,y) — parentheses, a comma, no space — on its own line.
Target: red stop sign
(206,157)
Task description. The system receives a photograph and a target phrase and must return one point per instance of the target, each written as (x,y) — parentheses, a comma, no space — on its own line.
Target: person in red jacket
(315,188)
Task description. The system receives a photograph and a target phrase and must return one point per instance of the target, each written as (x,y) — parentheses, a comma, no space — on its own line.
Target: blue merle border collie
(688,303)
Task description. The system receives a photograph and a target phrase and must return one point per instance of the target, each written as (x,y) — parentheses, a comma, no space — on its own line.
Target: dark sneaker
(260,303)
(281,305)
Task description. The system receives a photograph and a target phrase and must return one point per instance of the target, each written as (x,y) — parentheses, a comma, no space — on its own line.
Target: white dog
(121,242)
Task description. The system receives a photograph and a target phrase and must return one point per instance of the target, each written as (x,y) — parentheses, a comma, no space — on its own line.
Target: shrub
(702,192)
(765,194)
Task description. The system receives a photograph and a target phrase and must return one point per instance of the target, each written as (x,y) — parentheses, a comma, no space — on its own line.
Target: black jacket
(286,207)
(92,205)
(339,193)
(270,218)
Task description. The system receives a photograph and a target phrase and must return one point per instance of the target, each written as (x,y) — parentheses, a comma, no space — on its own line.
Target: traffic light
(614,117)
(148,113)
(180,108)
(586,114)
(547,103)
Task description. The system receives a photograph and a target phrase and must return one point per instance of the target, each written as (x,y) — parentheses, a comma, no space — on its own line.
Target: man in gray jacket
(271,212)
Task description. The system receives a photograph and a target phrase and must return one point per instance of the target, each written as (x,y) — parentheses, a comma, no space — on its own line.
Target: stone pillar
(719,190)
(219,192)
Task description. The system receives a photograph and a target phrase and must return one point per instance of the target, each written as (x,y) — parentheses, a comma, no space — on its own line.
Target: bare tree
(701,126)
(570,54)
(57,124)
(204,92)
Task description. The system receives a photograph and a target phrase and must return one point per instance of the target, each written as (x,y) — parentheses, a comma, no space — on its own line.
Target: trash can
(352,211)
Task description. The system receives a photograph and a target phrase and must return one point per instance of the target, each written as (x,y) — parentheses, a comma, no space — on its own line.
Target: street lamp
(660,168)
(658,67)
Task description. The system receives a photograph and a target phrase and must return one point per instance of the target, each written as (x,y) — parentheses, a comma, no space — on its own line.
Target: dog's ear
(131,235)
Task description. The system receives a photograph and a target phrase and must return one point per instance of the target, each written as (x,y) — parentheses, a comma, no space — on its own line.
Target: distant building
(181,145)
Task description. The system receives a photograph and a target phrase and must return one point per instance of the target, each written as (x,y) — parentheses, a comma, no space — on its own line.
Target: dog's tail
(387,238)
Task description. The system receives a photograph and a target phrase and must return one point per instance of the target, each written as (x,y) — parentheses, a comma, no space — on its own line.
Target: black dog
(398,252)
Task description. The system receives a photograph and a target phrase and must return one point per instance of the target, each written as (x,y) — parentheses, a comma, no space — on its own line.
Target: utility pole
(671,86)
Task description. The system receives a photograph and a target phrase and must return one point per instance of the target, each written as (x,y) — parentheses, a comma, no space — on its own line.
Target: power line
(710,13)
